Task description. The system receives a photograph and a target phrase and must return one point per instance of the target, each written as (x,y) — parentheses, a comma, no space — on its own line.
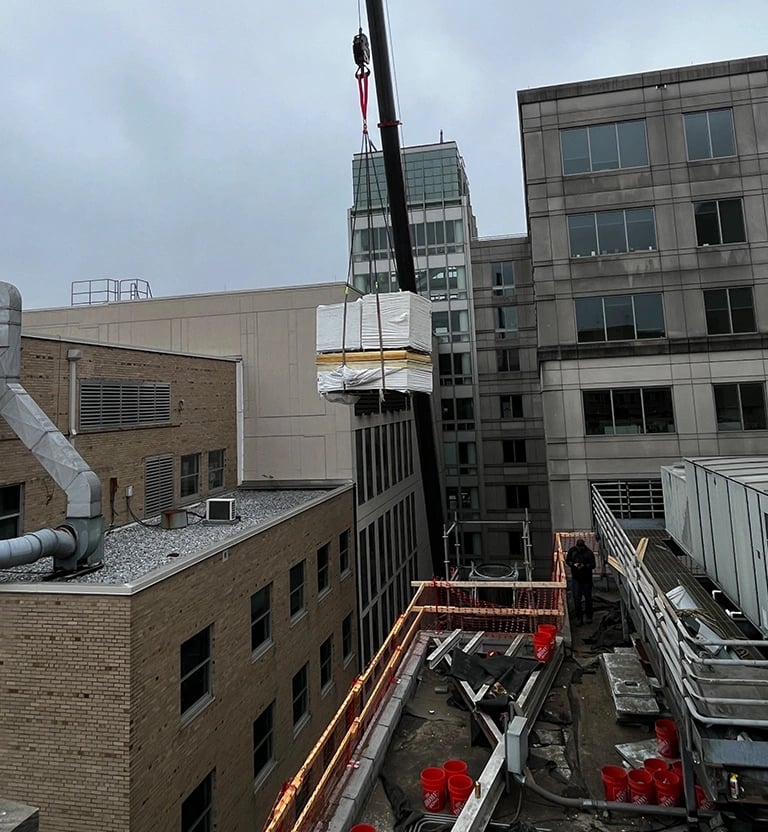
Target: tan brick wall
(170,759)
(64,712)
(205,421)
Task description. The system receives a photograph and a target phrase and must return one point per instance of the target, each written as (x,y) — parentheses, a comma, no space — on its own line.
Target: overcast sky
(207,146)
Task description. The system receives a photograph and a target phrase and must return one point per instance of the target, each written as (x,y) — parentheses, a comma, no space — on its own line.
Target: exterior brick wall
(65,723)
(203,417)
(91,728)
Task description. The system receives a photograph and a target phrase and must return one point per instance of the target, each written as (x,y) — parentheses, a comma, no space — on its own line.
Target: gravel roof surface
(132,551)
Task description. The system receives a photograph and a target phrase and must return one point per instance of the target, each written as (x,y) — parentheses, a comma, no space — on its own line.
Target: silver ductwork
(84,524)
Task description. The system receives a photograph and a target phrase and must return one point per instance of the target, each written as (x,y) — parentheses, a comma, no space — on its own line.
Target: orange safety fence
(489,606)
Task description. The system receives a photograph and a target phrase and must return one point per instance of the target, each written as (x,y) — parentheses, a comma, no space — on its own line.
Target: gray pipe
(35,545)
(599,805)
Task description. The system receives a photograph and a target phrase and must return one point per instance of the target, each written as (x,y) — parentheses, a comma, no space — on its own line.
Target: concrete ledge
(17,817)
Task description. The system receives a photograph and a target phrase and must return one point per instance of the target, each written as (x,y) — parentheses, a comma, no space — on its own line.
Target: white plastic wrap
(406,322)
(330,325)
(350,379)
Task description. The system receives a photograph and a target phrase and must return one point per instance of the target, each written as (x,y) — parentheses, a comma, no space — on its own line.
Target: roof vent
(220,510)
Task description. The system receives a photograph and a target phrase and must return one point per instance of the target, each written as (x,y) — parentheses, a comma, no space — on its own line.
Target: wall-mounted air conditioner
(220,510)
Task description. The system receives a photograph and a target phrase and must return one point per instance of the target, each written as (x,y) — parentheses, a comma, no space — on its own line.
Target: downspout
(73,356)
(80,541)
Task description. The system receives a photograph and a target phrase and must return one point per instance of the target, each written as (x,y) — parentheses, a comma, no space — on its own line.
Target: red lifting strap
(362,86)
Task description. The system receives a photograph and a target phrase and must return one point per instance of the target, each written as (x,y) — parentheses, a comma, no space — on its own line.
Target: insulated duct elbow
(35,545)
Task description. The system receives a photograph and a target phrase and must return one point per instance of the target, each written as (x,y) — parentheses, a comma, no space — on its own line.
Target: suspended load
(387,345)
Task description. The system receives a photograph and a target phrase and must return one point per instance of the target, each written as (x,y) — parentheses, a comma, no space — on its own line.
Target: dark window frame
(635,300)
(190,479)
(704,238)
(513,451)
(646,406)
(726,293)
(687,124)
(11,510)
(197,675)
(296,589)
(324,569)
(347,640)
(517,496)
(603,125)
(511,406)
(345,563)
(216,468)
(326,664)
(198,818)
(261,619)
(508,360)
(740,388)
(264,742)
(503,277)
(300,696)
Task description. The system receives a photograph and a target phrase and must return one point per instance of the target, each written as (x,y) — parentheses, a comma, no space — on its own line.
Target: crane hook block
(361,51)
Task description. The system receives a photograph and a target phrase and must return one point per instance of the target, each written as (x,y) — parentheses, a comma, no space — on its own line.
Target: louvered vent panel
(158,484)
(108,405)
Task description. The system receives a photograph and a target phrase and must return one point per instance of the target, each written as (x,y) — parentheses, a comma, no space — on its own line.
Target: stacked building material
(387,345)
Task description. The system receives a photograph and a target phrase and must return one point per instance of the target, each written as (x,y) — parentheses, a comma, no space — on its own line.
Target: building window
(630,410)
(719,222)
(455,368)
(323,569)
(513,450)
(261,617)
(604,147)
(264,741)
(111,405)
(506,321)
(344,562)
(10,511)
(189,484)
(347,647)
(195,666)
(508,360)
(709,135)
(458,414)
(511,406)
(632,499)
(197,809)
(517,496)
(503,278)
(215,469)
(612,232)
(515,543)
(158,484)
(740,406)
(729,310)
(443,283)
(619,318)
(460,458)
(451,326)
(296,596)
(326,663)
(466,498)
(300,689)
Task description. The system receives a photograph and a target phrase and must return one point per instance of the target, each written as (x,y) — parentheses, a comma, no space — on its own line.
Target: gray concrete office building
(646,205)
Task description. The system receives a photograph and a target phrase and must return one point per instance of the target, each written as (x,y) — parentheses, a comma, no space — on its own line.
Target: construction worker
(581,559)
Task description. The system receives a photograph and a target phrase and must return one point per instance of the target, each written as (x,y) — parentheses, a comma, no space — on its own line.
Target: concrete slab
(628,685)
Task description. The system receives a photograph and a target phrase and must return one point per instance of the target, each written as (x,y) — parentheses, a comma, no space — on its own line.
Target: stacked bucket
(449,784)
(659,781)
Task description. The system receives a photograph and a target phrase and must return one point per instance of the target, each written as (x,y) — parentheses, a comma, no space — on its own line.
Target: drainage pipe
(31,547)
(598,805)
(73,356)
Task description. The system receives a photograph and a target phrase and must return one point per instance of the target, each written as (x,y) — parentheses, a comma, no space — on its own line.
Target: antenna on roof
(441,137)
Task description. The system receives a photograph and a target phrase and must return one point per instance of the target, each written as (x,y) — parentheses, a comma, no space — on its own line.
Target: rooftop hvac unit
(220,510)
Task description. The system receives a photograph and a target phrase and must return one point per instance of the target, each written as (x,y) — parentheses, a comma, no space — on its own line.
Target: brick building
(185,680)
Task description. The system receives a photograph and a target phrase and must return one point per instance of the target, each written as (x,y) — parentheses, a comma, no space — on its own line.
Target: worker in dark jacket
(581,559)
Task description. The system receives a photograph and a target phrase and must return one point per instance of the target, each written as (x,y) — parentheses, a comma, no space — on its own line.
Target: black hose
(607,805)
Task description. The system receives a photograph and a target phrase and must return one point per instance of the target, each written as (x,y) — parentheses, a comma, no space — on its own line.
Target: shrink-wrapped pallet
(331,324)
(395,370)
(405,320)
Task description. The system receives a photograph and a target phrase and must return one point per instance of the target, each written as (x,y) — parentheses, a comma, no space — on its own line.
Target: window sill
(262,650)
(298,616)
(323,593)
(348,659)
(195,710)
(297,728)
(597,256)
(719,246)
(347,573)
(327,689)
(263,775)
(608,172)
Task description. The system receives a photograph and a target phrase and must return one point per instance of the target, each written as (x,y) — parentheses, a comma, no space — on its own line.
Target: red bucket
(550,629)
(615,782)
(363,827)
(542,647)
(666,737)
(641,788)
(452,767)
(702,801)
(433,789)
(655,764)
(459,789)
(668,788)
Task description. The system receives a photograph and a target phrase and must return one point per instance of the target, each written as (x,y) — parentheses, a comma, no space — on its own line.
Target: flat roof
(617,83)
(140,554)
(751,471)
